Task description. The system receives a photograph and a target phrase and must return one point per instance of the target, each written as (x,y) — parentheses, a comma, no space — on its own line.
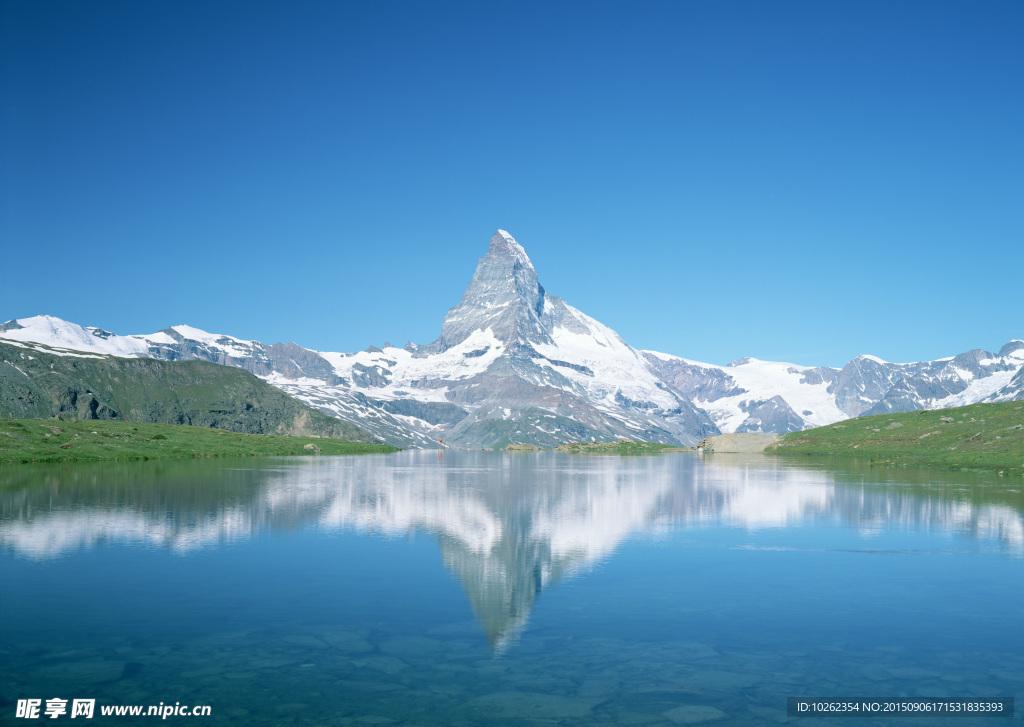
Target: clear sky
(797,181)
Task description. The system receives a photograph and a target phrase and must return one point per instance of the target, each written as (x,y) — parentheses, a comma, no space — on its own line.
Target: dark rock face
(288,359)
(1011,348)
(504,295)
(369,376)
(860,384)
(910,394)
(774,416)
(915,386)
(820,375)
(295,362)
(706,383)
(434,412)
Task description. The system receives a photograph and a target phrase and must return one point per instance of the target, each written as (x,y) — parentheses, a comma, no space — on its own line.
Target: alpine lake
(494,588)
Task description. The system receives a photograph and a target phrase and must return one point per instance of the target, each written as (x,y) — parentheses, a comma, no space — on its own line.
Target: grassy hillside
(981,436)
(49,440)
(35,383)
(619,447)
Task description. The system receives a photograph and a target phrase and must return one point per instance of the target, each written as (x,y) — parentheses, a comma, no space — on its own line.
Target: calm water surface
(504,589)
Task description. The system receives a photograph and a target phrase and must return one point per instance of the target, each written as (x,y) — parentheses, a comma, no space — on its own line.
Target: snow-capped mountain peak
(506,245)
(1013,349)
(513,364)
(516,364)
(504,296)
(63,336)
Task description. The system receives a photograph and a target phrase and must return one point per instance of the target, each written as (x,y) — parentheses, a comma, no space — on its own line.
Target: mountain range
(36,383)
(514,364)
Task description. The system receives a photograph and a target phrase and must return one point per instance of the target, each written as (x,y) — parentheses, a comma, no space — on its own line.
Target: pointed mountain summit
(515,364)
(536,370)
(504,296)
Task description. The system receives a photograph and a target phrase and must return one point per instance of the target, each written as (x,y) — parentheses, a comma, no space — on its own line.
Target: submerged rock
(412,646)
(95,671)
(694,714)
(347,641)
(386,664)
(531,704)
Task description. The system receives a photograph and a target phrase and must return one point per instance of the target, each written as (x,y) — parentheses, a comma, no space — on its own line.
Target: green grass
(621,448)
(980,436)
(51,440)
(35,384)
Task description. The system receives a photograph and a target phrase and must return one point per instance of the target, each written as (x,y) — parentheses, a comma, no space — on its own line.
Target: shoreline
(31,441)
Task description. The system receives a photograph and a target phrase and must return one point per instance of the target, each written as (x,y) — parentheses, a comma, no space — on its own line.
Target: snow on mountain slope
(299,372)
(805,393)
(1004,385)
(63,336)
(765,396)
(986,389)
(751,395)
(605,366)
(392,371)
(512,364)
(961,379)
(516,364)
(525,366)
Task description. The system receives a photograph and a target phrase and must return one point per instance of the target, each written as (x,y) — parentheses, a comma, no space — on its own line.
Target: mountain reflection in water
(509,525)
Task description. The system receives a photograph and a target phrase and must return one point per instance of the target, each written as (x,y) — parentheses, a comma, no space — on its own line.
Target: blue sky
(799,181)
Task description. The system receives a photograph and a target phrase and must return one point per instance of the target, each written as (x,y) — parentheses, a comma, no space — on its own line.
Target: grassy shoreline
(978,436)
(620,448)
(89,440)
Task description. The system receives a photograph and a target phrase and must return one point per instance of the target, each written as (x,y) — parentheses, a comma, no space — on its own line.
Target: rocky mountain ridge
(36,382)
(514,364)
(766,396)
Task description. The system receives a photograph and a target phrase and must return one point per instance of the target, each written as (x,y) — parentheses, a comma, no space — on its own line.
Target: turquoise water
(508,589)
